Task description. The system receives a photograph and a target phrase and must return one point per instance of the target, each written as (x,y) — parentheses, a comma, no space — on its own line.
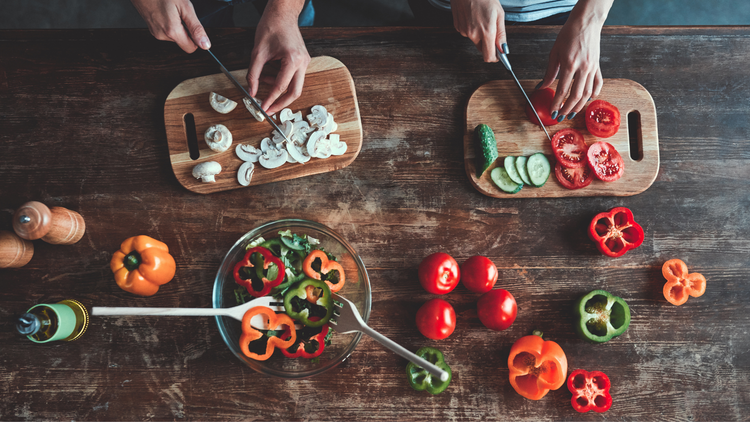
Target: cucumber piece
(487,148)
(521,167)
(510,167)
(538,168)
(500,177)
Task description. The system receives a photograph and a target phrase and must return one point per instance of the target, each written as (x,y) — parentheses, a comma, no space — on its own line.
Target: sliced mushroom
(287,115)
(206,171)
(221,104)
(218,138)
(318,116)
(298,152)
(254,111)
(248,153)
(273,158)
(245,173)
(318,145)
(330,125)
(337,146)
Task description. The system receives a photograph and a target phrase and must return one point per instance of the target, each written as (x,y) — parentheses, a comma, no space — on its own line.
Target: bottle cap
(66,322)
(28,324)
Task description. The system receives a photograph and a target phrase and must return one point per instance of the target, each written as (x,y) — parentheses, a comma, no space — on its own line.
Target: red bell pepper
(268,259)
(274,320)
(615,232)
(310,342)
(590,391)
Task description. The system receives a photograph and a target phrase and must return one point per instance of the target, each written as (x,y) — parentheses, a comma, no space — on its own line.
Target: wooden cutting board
(501,106)
(327,83)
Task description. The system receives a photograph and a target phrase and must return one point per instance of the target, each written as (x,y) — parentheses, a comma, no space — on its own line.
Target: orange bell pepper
(681,284)
(274,321)
(536,366)
(142,265)
(326,266)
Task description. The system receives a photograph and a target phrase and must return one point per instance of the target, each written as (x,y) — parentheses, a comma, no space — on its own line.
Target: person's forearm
(591,13)
(285,6)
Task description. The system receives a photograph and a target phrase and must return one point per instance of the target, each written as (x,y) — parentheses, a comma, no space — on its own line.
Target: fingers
(197,33)
(563,87)
(283,79)
(292,93)
(253,74)
(598,83)
(579,95)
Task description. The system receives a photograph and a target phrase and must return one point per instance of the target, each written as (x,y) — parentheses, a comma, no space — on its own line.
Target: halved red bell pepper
(274,321)
(590,391)
(616,232)
(681,284)
(310,342)
(326,267)
(254,288)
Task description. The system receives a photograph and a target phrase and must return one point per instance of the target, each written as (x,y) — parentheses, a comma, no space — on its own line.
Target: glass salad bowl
(356,288)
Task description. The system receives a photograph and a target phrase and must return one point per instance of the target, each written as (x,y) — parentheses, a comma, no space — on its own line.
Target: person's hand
(575,59)
(278,38)
(165,17)
(483,22)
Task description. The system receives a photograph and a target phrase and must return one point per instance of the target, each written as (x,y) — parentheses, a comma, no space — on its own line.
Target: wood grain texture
(500,105)
(404,197)
(327,83)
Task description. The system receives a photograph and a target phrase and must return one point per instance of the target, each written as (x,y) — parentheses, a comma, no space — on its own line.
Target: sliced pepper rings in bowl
(298,364)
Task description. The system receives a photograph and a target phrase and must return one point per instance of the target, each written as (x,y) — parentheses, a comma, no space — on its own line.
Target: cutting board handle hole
(192,139)
(635,136)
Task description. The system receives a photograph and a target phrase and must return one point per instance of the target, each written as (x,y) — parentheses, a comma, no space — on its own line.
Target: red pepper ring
(268,259)
(616,232)
(590,391)
(304,337)
(249,333)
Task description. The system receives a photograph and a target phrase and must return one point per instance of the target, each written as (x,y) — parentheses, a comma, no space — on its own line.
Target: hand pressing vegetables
(615,232)
(590,391)
(541,99)
(681,284)
(536,366)
(601,316)
(142,265)
(420,379)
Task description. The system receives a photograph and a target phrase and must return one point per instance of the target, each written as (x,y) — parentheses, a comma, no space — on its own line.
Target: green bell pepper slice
(601,316)
(420,379)
(309,298)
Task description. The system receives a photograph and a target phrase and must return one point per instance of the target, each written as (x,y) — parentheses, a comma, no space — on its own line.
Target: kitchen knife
(503,55)
(247,95)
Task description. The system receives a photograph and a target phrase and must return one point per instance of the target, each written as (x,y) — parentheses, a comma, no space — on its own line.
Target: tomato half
(439,273)
(574,178)
(478,274)
(542,100)
(602,119)
(606,161)
(497,309)
(436,319)
(569,148)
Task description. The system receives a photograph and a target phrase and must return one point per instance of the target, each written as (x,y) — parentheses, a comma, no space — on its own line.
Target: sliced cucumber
(521,167)
(500,177)
(510,167)
(538,168)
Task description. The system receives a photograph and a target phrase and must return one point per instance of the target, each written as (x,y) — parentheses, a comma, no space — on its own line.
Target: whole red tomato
(439,273)
(542,101)
(497,309)
(436,319)
(478,274)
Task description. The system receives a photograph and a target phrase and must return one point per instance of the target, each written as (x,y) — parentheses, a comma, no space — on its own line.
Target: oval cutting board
(501,106)
(327,83)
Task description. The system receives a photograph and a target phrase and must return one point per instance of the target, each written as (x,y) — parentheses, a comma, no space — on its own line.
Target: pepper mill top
(32,220)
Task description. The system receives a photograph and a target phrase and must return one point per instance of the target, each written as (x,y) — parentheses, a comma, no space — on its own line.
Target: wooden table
(81,126)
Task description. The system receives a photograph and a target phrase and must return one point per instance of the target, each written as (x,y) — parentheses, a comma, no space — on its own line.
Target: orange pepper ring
(249,333)
(681,283)
(326,266)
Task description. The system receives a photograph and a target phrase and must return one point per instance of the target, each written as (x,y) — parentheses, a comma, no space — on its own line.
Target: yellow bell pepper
(142,265)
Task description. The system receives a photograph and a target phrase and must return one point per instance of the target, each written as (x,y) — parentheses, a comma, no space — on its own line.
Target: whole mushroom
(206,171)
(218,138)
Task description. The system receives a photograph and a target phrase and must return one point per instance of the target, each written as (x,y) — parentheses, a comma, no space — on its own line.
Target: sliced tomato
(602,119)
(574,178)
(605,161)
(542,100)
(569,148)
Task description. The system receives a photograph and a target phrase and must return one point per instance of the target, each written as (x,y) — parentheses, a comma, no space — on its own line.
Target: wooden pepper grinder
(56,225)
(14,251)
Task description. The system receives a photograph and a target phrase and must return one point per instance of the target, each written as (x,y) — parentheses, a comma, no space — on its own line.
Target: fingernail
(571,115)
(553,115)
(560,118)
(538,85)
(505,48)
(205,43)
(591,98)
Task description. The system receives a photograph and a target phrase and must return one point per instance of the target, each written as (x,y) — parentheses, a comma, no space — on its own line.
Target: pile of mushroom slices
(304,140)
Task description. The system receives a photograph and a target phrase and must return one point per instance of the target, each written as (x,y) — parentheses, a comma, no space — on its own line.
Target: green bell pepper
(421,380)
(309,298)
(601,316)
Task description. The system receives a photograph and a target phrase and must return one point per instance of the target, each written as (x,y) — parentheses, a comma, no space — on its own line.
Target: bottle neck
(28,324)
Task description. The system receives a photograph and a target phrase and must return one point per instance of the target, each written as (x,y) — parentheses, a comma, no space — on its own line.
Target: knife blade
(247,95)
(503,55)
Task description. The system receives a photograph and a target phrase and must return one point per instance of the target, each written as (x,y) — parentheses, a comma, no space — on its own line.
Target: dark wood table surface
(81,126)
